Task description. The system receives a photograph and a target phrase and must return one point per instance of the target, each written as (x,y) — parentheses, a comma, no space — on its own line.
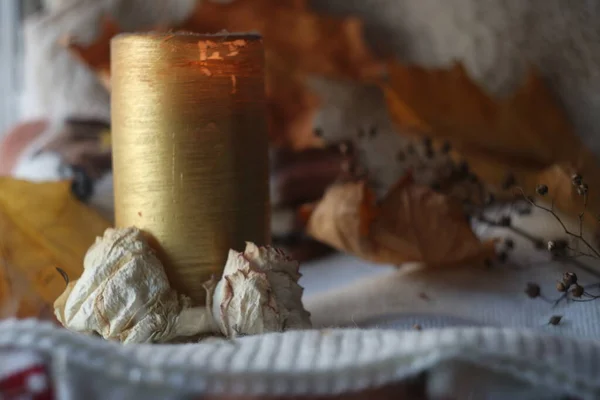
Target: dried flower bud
(509,243)
(577,291)
(561,287)
(555,319)
(123,293)
(542,190)
(532,290)
(582,189)
(576,180)
(258,293)
(569,278)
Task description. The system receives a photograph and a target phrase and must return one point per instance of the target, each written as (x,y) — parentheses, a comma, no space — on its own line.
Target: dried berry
(463,168)
(505,221)
(509,182)
(502,257)
(569,278)
(542,190)
(576,180)
(446,147)
(523,208)
(417,327)
(577,291)
(561,287)
(582,189)
(509,243)
(558,248)
(82,186)
(345,147)
(532,290)
(372,132)
(427,143)
(555,319)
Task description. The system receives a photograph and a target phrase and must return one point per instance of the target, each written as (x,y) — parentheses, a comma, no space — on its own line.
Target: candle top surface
(222,36)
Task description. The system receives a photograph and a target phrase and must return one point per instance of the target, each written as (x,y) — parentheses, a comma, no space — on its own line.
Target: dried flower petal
(258,293)
(123,293)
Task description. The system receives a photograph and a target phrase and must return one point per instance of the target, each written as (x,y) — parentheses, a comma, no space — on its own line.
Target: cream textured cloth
(383,296)
(481,363)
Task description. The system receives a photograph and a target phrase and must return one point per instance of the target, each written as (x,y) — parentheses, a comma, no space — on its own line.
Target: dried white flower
(124,294)
(258,293)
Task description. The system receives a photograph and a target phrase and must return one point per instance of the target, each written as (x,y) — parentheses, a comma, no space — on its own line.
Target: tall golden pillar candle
(190,148)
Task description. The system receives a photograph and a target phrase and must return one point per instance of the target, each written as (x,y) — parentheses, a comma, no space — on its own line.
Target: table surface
(344,291)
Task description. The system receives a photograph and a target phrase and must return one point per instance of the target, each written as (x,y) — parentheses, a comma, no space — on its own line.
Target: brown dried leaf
(291,106)
(42,227)
(411,224)
(526,134)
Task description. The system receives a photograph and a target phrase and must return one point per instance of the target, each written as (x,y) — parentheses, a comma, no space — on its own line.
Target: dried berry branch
(582,190)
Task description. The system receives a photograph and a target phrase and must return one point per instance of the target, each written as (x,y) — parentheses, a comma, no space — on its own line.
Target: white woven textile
(311,362)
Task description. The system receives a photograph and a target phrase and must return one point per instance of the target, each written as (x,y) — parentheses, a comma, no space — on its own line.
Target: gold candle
(190,154)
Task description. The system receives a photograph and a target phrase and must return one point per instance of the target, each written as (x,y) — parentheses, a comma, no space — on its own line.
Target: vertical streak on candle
(190,154)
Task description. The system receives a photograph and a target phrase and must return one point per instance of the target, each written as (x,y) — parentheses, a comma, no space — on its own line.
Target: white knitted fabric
(316,362)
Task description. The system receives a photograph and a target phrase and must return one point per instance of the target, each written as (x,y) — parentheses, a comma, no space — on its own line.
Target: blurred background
(12,15)
(395,126)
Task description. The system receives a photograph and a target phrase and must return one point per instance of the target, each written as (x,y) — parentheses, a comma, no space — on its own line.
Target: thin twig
(567,231)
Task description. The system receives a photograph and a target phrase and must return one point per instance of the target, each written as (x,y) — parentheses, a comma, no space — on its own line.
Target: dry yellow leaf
(526,135)
(411,224)
(42,227)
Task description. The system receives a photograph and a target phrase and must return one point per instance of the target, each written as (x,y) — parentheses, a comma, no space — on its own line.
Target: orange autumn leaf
(527,134)
(42,227)
(96,55)
(411,224)
(298,42)
(310,42)
(291,107)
